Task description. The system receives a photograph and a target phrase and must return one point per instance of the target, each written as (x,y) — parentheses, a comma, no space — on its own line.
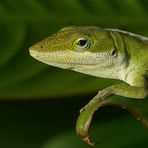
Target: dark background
(39,104)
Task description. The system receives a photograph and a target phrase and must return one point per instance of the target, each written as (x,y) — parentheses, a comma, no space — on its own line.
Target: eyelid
(82,38)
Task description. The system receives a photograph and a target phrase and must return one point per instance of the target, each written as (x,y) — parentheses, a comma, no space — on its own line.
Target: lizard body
(107,53)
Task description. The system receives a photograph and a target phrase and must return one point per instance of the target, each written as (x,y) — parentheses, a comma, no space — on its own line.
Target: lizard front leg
(121,89)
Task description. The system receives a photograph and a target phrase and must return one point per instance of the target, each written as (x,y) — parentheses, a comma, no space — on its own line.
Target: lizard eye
(82,44)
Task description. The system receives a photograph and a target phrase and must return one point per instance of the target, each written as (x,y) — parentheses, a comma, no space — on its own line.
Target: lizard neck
(98,71)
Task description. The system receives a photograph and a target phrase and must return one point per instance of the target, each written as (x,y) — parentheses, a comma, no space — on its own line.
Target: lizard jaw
(52,62)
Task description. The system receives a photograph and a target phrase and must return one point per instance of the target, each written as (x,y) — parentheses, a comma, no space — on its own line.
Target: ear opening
(114,52)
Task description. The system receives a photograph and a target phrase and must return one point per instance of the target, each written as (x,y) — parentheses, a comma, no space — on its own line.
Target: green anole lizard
(107,53)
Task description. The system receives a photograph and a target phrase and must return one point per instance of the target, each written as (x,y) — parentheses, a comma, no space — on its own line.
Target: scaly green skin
(109,53)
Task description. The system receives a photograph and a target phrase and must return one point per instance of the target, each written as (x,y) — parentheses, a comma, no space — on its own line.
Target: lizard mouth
(61,60)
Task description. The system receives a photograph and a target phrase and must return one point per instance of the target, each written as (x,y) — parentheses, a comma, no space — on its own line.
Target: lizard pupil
(82,42)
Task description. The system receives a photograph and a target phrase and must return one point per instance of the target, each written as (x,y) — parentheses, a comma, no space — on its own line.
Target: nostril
(36,49)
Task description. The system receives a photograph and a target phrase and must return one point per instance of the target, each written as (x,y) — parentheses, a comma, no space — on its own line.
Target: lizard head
(77,48)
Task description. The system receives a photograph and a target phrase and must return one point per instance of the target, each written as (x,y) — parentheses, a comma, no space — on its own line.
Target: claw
(81,110)
(88,141)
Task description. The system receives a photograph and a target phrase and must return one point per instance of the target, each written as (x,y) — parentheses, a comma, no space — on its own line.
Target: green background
(39,104)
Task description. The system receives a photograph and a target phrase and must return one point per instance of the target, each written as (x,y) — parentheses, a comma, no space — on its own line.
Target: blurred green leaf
(25,22)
